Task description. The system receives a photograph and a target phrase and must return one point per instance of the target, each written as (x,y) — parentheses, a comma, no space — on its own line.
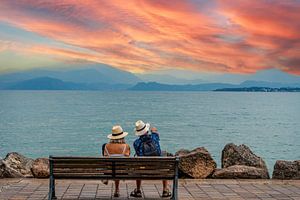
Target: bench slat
(114,168)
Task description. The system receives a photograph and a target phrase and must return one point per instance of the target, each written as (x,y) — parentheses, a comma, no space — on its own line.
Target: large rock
(15,165)
(286,169)
(241,155)
(197,163)
(241,172)
(40,168)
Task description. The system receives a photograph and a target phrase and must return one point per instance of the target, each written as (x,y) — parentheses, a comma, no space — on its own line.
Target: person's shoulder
(155,135)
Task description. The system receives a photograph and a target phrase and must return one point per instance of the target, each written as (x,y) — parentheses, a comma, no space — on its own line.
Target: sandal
(105,182)
(117,194)
(136,193)
(166,193)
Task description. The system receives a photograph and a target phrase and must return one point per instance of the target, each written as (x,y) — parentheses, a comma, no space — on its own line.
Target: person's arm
(127,150)
(155,133)
(136,146)
(103,148)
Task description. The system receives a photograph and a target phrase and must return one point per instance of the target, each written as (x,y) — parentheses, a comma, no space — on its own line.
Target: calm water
(39,123)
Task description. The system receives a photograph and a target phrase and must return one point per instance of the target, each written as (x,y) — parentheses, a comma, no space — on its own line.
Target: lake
(40,123)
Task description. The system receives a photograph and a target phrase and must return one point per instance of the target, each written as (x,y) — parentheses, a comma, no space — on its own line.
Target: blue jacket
(137,143)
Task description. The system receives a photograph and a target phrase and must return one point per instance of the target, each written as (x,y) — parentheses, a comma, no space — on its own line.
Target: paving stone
(34,189)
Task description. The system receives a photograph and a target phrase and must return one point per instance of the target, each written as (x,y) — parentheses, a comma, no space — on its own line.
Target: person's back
(116,147)
(147,144)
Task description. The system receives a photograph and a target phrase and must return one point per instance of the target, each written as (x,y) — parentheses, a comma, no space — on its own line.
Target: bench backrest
(151,168)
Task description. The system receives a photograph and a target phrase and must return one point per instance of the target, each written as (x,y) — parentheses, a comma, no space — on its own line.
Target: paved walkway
(188,189)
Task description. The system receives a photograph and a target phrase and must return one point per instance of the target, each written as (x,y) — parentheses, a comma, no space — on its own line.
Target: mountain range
(104,77)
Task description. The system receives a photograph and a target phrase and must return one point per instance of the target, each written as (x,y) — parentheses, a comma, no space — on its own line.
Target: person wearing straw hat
(147,144)
(116,147)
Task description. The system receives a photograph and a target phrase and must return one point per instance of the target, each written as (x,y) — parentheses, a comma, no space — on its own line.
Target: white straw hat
(141,128)
(117,133)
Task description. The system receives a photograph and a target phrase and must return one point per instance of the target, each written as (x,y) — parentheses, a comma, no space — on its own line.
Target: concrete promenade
(188,189)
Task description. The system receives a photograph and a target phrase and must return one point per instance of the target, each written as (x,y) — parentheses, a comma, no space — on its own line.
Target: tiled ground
(188,189)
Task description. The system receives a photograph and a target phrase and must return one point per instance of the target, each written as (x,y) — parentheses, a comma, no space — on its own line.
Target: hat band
(117,134)
(141,128)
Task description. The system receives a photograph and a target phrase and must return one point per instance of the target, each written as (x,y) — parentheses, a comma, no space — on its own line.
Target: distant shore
(258,89)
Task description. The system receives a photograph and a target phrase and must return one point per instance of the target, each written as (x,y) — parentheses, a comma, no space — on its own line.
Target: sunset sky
(142,36)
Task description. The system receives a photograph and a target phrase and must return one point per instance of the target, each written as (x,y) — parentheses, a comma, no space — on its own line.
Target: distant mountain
(91,73)
(274,75)
(103,77)
(153,86)
(181,77)
(168,79)
(47,83)
(269,75)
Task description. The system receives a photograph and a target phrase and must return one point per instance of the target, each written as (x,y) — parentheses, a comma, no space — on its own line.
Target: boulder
(197,163)
(286,169)
(40,168)
(241,172)
(15,165)
(241,155)
(2,167)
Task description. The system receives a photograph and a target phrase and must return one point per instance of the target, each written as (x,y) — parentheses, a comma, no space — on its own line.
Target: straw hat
(117,133)
(141,128)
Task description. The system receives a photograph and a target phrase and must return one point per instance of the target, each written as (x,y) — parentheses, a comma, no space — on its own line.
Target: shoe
(117,194)
(166,193)
(136,193)
(105,182)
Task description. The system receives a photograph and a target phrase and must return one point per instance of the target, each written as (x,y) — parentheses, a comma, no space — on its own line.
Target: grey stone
(241,172)
(241,155)
(197,163)
(40,168)
(286,170)
(15,165)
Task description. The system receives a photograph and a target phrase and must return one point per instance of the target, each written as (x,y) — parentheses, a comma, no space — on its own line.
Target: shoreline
(238,162)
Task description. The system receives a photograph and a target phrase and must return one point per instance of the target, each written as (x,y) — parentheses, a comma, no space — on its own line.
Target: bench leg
(175,189)
(52,189)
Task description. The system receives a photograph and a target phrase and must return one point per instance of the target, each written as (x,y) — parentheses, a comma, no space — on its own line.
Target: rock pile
(237,162)
(15,165)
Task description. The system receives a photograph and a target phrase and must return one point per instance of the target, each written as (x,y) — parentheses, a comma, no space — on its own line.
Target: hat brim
(110,136)
(142,132)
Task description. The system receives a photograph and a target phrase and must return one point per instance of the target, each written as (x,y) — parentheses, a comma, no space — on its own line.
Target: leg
(117,188)
(165,185)
(166,190)
(137,192)
(138,184)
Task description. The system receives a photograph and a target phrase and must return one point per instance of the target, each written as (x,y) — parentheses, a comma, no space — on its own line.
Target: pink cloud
(239,37)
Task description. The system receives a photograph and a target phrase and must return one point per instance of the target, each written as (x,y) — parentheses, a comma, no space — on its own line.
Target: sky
(145,36)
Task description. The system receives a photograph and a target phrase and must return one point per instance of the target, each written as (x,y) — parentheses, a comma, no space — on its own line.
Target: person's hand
(154,129)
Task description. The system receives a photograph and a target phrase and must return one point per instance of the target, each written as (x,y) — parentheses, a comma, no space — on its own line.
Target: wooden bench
(112,168)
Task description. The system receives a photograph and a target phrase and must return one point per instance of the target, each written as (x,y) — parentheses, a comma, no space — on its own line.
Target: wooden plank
(151,168)
(110,159)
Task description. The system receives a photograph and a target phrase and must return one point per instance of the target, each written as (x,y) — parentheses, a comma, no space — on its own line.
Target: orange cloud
(143,35)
